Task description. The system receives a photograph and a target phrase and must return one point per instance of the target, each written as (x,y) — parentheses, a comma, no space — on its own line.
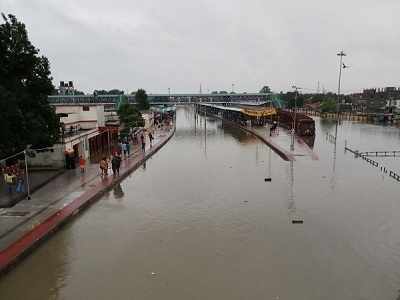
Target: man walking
(115,164)
(128,147)
(142,138)
(151,138)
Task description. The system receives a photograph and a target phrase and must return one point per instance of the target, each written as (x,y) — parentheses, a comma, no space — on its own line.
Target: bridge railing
(157,98)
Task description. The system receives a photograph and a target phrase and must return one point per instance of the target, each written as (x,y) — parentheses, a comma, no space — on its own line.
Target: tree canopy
(129,117)
(141,100)
(289,99)
(328,105)
(25,82)
(265,89)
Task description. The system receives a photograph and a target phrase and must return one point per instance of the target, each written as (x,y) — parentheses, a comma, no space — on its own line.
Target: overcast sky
(157,44)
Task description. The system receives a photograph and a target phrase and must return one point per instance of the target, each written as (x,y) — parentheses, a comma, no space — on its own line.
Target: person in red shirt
(82,164)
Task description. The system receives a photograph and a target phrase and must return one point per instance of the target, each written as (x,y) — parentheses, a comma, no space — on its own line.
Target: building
(66,88)
(89,130)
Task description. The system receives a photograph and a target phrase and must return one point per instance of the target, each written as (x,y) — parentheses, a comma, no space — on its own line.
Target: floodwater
(199,222)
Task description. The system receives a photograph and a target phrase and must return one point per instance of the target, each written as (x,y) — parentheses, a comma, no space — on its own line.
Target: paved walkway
(283,138)
(36,180)
(24,224)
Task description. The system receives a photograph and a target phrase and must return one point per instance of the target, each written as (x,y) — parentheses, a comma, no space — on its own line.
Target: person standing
(103,166)
(124,149)
(20,181)
(114,163)
(142,138)
(118,163)
(119,147)
(9,178)
(128,147)
(151,138)
(82,164)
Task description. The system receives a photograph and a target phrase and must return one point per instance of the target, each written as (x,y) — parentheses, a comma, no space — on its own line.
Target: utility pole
(233,86)
(28,189)
(341,66)
(296,88)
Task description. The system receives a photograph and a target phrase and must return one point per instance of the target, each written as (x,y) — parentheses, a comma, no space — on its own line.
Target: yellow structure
(259,111)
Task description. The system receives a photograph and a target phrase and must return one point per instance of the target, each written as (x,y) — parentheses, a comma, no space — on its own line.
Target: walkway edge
(31,239)
(285,155)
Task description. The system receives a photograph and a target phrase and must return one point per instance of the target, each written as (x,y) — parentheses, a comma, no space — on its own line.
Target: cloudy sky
(157,44)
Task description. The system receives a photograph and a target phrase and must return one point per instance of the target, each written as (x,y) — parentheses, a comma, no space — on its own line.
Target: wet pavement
(36,180)
(198,221)
(19,220)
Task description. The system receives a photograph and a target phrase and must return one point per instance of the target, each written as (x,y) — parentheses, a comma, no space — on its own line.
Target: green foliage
(265,89)
(289,99)
(141,100)
(328,105)
(25,83)
(129,117)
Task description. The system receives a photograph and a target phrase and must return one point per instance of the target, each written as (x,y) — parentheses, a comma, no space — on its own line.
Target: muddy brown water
(198,221)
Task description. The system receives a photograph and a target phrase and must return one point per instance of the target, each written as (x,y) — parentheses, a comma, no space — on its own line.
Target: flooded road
(198,221)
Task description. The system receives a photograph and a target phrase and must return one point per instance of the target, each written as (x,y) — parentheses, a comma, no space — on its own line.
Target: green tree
(25,82)
(129,117)
(115,92)
(265,89)
(290,99)
(141,100)
(328,105)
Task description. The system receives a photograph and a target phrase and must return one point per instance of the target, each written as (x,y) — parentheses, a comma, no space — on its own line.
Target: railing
(381,153)
(374,163)
(185,98)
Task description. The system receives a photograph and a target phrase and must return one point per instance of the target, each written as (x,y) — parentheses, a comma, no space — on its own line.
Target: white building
(84,129)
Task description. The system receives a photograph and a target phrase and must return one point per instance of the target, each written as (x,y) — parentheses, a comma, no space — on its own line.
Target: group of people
(14,176)
(123,150)
(142,137)
(115,164)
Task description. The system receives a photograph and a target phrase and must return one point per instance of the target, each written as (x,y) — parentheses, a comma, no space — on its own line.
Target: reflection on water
(201,222)
(118,192)
(241,136)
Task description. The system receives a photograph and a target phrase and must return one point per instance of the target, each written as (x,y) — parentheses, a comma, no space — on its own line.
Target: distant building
(66,88)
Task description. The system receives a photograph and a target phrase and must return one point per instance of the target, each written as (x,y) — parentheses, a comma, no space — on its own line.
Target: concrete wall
(52,157)
(85,119)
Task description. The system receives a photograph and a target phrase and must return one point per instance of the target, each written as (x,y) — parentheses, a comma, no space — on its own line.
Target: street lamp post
(296,88)
(341,66)
(28,189)
(169,94)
